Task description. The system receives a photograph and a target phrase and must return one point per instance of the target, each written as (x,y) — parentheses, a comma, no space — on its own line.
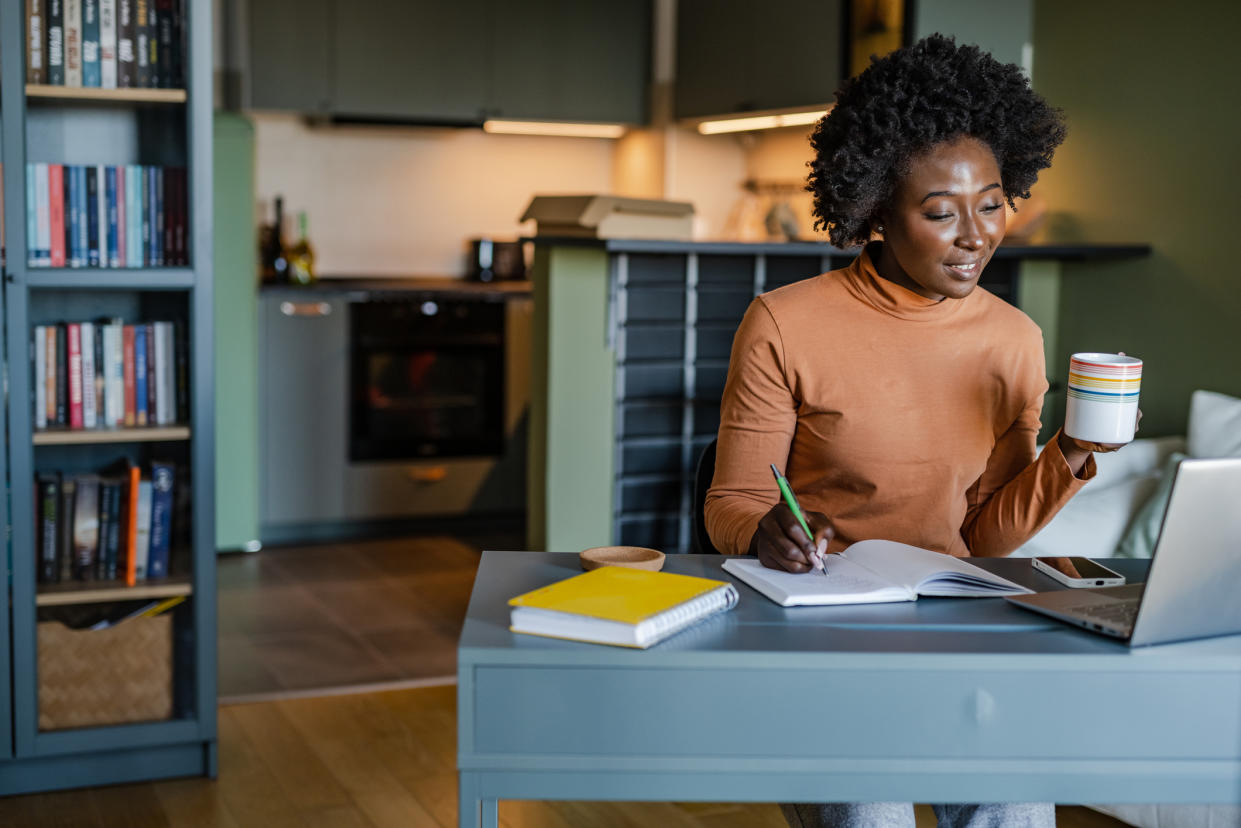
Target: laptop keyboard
(1118,613)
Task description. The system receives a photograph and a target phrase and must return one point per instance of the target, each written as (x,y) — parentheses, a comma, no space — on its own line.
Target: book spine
(142,543)
(133,214)
(92,217)
(84,210)
(116,374)
(90,416)
(114,250)
(64,529)
(57,255)
(152,377)
(32,217)
(142,51)
(52,363)
(126,75)
(148,215)
(155,60)
(114,530)
(129,522)
(101,386)
(162,393)
(107,494)
(86,527)
(48,498)
(140,375)
(163,11)
(168,209)
(101,214)
(75,375)
(73,42)
(107,44)
(182,356)
(161,520)
(90,43)
(121,261)
(177,59)
(62,375)
(183,215)
(40,237)
(127,344)
(157,216)
(71,217)
(40,376)
(36,71)
(56,42)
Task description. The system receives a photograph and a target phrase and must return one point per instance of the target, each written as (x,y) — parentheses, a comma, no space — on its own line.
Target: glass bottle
(301,256)
(273,267)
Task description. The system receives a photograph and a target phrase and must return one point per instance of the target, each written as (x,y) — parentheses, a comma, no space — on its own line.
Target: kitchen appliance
(491,260)
(426,378)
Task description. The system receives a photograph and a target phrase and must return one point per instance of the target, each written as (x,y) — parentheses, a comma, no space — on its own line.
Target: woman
(902,400)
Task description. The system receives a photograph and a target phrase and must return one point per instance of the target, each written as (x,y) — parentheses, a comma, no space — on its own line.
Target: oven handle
(305,308)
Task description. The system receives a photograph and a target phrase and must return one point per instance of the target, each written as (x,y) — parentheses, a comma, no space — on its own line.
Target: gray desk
(942,700)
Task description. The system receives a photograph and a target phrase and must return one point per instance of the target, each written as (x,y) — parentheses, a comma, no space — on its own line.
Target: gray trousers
(901,815)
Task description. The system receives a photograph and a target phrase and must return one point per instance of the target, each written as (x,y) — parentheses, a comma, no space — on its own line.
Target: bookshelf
(162,128)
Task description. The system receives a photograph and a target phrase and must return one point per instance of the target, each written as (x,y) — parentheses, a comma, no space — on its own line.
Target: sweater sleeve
(758,415)
(1018,493)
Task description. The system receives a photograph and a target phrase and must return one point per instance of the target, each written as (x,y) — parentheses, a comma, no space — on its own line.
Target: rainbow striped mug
(1103,397)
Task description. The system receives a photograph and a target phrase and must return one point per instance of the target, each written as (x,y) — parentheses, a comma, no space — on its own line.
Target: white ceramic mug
(1102,402)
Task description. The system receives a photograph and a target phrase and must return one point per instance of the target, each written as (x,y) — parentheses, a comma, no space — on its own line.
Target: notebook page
(927,572)
(846,583)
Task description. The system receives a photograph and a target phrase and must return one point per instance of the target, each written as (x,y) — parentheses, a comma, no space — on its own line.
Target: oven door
(426,379)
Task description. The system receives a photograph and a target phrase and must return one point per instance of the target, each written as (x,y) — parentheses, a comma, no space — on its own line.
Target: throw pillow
(1214,425)
(1139,539)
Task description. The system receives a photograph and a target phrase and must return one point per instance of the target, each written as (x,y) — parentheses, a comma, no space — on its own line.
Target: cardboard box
(611,217)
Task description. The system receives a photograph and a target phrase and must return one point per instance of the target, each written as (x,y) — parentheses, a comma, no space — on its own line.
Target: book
(101,214)
(142,51)
(107,44)
(126,69)
(114,373)
(620,606)
(159,544)
(86,527)
(874,572)
(40,376)
(56,254)
(113,217)
(49,391)
(62,375)
(101,396)
(92,217)
(73,42)
(90,400)
(74,336)
(36,71)
(152,378)
(83,213)
(127,349)
(47,499)
(56,42)
(140,375)
(90,43)
(142,535)
(64,528)
(105,561)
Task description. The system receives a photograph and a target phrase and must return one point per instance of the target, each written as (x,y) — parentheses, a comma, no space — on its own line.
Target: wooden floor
(370,760)
(303,618)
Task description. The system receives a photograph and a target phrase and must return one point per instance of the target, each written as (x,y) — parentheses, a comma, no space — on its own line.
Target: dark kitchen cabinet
(289,40)
(740,56)
(460,62)
(572,61)
(399,59)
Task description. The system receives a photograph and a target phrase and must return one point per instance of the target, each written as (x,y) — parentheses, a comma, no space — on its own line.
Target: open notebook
(874,572)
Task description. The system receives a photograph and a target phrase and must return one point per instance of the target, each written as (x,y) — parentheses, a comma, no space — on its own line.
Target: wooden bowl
(634,557)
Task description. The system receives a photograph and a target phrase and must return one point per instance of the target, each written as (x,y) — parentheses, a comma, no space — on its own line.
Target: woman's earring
(879,228)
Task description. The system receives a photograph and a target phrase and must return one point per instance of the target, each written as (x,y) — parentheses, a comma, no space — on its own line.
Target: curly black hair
(907,102)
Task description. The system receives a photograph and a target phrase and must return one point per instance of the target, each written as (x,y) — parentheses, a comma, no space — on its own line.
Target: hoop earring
(879,228)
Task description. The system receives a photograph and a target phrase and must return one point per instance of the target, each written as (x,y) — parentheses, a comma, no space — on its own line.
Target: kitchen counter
(373,286)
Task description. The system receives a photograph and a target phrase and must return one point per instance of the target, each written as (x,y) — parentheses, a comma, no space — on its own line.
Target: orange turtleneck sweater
(896,416)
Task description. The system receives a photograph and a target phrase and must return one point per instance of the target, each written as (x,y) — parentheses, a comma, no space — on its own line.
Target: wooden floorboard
(363,761)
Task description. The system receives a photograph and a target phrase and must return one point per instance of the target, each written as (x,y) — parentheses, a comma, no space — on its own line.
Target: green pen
(791,501)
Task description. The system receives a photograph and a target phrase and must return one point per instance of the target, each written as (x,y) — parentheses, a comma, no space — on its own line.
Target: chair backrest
(702,482)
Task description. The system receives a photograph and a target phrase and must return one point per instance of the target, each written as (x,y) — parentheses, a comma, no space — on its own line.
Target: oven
(426,377)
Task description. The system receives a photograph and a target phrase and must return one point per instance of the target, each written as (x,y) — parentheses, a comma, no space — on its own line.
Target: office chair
(701,541)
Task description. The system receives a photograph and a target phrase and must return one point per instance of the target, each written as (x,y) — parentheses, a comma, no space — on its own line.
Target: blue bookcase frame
(31,760)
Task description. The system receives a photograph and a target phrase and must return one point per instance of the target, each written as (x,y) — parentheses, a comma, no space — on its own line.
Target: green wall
(1151,92)
(236,336)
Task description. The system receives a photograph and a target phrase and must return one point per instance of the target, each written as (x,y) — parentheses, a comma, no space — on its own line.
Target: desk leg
(472,810)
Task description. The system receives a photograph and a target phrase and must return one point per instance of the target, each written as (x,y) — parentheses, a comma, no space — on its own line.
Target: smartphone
(1078,572)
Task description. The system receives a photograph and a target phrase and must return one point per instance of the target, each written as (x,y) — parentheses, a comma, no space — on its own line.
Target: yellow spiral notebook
(620,606)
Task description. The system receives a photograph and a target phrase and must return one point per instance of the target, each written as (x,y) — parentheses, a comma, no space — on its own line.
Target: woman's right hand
(781,543)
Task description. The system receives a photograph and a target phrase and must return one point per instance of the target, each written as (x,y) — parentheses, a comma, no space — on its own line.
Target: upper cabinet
(1003,29)
(570,60)
(460,62)
(740,56)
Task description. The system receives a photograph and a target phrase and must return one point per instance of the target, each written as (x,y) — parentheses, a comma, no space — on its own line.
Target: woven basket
(101,677)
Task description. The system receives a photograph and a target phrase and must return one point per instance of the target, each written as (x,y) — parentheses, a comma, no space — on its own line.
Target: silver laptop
(1193,587)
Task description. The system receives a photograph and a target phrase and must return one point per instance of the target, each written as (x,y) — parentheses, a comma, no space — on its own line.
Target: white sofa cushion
(1094,521)
(1214,425)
